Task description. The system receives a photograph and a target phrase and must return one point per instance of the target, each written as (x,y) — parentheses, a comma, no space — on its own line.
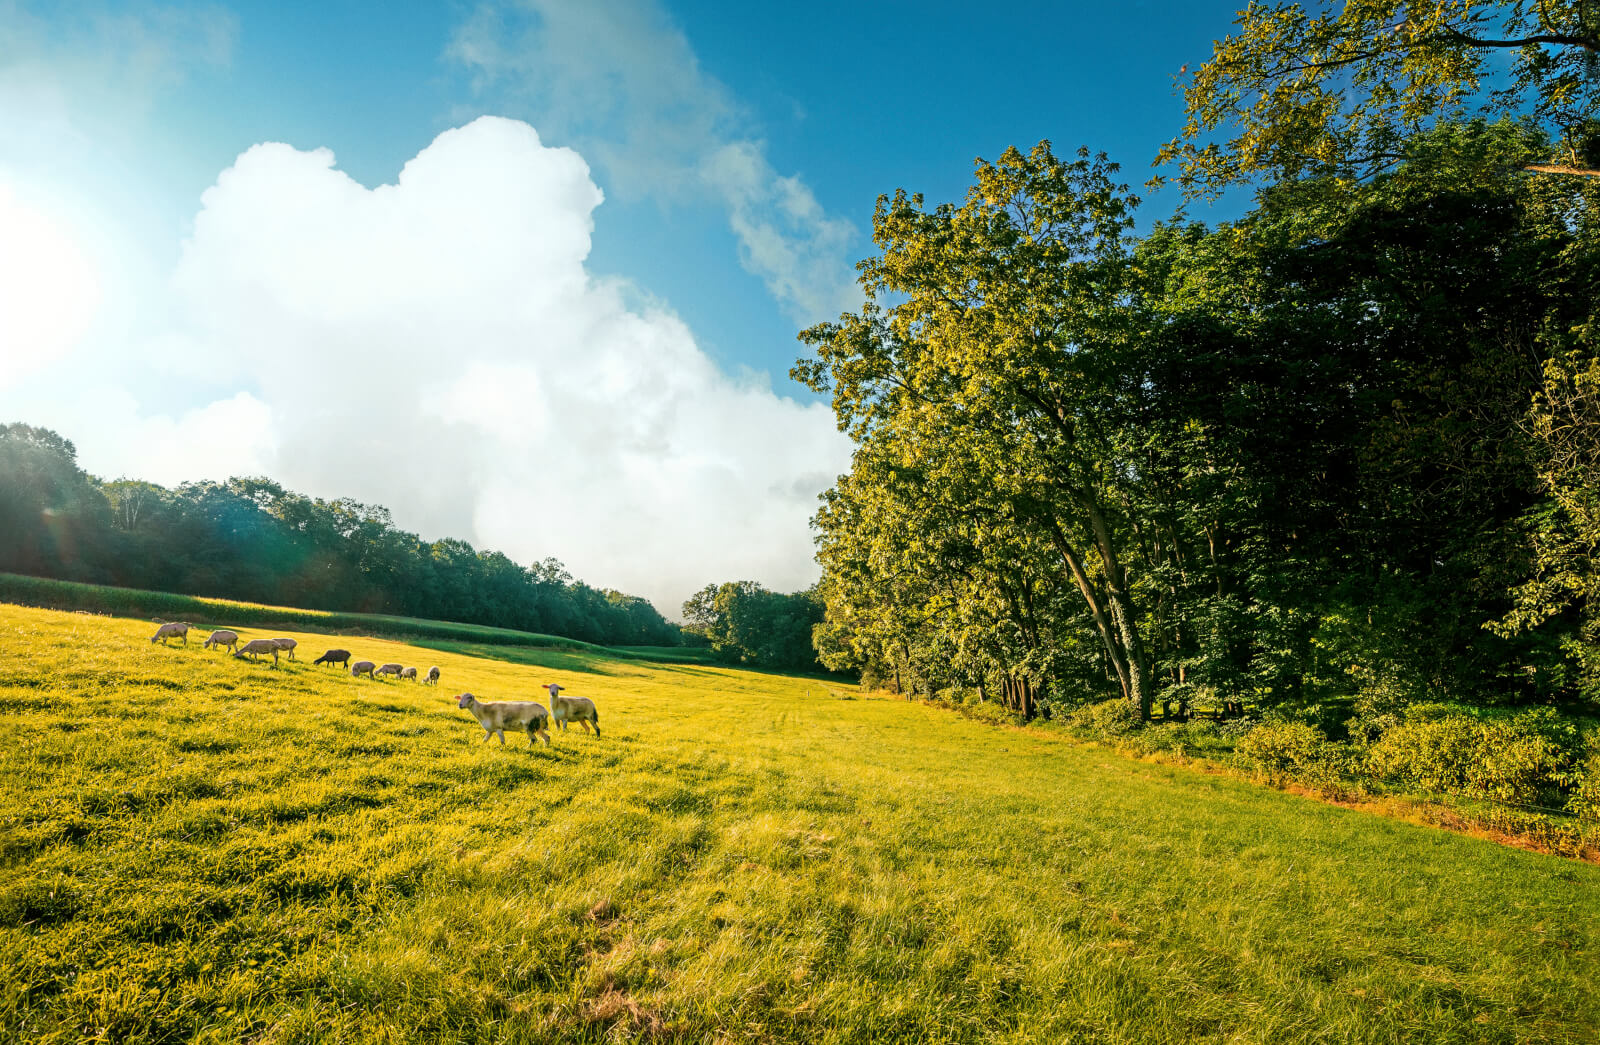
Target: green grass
(200,849)
(228,613)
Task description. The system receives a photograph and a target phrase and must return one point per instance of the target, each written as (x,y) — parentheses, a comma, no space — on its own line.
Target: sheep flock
(494,716)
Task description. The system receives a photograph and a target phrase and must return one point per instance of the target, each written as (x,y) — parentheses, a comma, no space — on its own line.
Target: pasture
(197,848)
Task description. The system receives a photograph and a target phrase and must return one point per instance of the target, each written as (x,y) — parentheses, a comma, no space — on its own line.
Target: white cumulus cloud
(437,346)
(620,79)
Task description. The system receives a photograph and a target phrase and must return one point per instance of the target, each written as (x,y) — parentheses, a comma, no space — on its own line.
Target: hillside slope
(198,848)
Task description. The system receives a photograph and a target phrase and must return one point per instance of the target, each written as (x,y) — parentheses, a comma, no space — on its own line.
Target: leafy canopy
(1341,88)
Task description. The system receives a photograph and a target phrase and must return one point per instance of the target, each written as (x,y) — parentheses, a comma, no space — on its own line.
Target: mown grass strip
(220,613)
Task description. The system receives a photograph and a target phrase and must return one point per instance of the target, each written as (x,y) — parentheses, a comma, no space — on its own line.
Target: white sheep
(387,669)
(288,645)
(433,675)
(362,667)
(256,647)
(408,673)
(167,631)
(221,639)
(572,709)
(495,716)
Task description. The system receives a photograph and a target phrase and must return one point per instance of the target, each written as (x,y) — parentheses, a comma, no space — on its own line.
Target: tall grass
(200,849)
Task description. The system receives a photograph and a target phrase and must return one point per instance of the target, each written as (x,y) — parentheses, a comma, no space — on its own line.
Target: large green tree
(987,364)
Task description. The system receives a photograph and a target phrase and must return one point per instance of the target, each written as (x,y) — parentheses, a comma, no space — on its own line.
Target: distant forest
(251,539)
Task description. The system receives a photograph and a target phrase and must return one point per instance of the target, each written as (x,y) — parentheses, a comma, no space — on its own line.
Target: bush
(1585,800)
(1527,760)
(1107,719)
(1282,747)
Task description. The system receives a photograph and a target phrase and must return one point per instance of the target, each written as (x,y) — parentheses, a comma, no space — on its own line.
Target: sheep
(497,715)
(572,709)
(362,667)
(167,631)
(219,639)
(433,675)
(409,673)
(387,669)
(287,644)
(334,656)
(258,646)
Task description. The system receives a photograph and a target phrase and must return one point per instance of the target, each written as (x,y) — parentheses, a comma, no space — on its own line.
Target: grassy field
(196,848)
(228,613)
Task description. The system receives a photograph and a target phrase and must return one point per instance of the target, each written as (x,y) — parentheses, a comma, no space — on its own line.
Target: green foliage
(1344,87)
(744,623)
(197,849)
(1284,747)
(1564,589)
(1286,462)
(1105,720)
(1529,759)
(251,539)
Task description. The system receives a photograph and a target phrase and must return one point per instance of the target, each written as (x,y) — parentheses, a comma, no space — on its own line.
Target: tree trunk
(1141,692)
(1096,609)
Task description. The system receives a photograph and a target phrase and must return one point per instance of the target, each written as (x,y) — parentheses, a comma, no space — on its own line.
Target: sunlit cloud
(437,346)
(621,81)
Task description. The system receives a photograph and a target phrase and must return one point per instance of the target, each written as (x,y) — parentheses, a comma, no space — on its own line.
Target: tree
(745,622)
(989,354)
(1341,87)
(1565,527)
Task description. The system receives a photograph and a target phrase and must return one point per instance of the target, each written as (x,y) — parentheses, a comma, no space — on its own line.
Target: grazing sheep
(220,639)
(433,674)
(409,673)
(362,667)
(572,709)
(387,669)
(255,647)
(287,644)
(497,715)
(167,631)
(334,656)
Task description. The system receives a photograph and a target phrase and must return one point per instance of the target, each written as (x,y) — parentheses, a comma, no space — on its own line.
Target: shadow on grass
(576,661)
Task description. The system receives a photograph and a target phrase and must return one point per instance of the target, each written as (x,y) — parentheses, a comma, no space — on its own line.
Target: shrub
(1528,760)
(1283,747)
(1107,719)
(1585,800)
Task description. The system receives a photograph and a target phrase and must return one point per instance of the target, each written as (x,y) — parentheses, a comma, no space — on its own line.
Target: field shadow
(574,661)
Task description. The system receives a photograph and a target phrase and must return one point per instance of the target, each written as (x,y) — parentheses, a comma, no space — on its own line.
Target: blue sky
(738,149)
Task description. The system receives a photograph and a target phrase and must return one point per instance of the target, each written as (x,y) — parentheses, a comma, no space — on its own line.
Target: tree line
(251,539)
(744,622)
(1342,451)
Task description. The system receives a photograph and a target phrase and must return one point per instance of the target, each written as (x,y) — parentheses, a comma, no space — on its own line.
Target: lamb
(572,709)
(255,647)
(409,673)
(230,639)
(334,656)
(287,644)
(167,631)
(497,715)
(362,667)
(433,675)
(387,669)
